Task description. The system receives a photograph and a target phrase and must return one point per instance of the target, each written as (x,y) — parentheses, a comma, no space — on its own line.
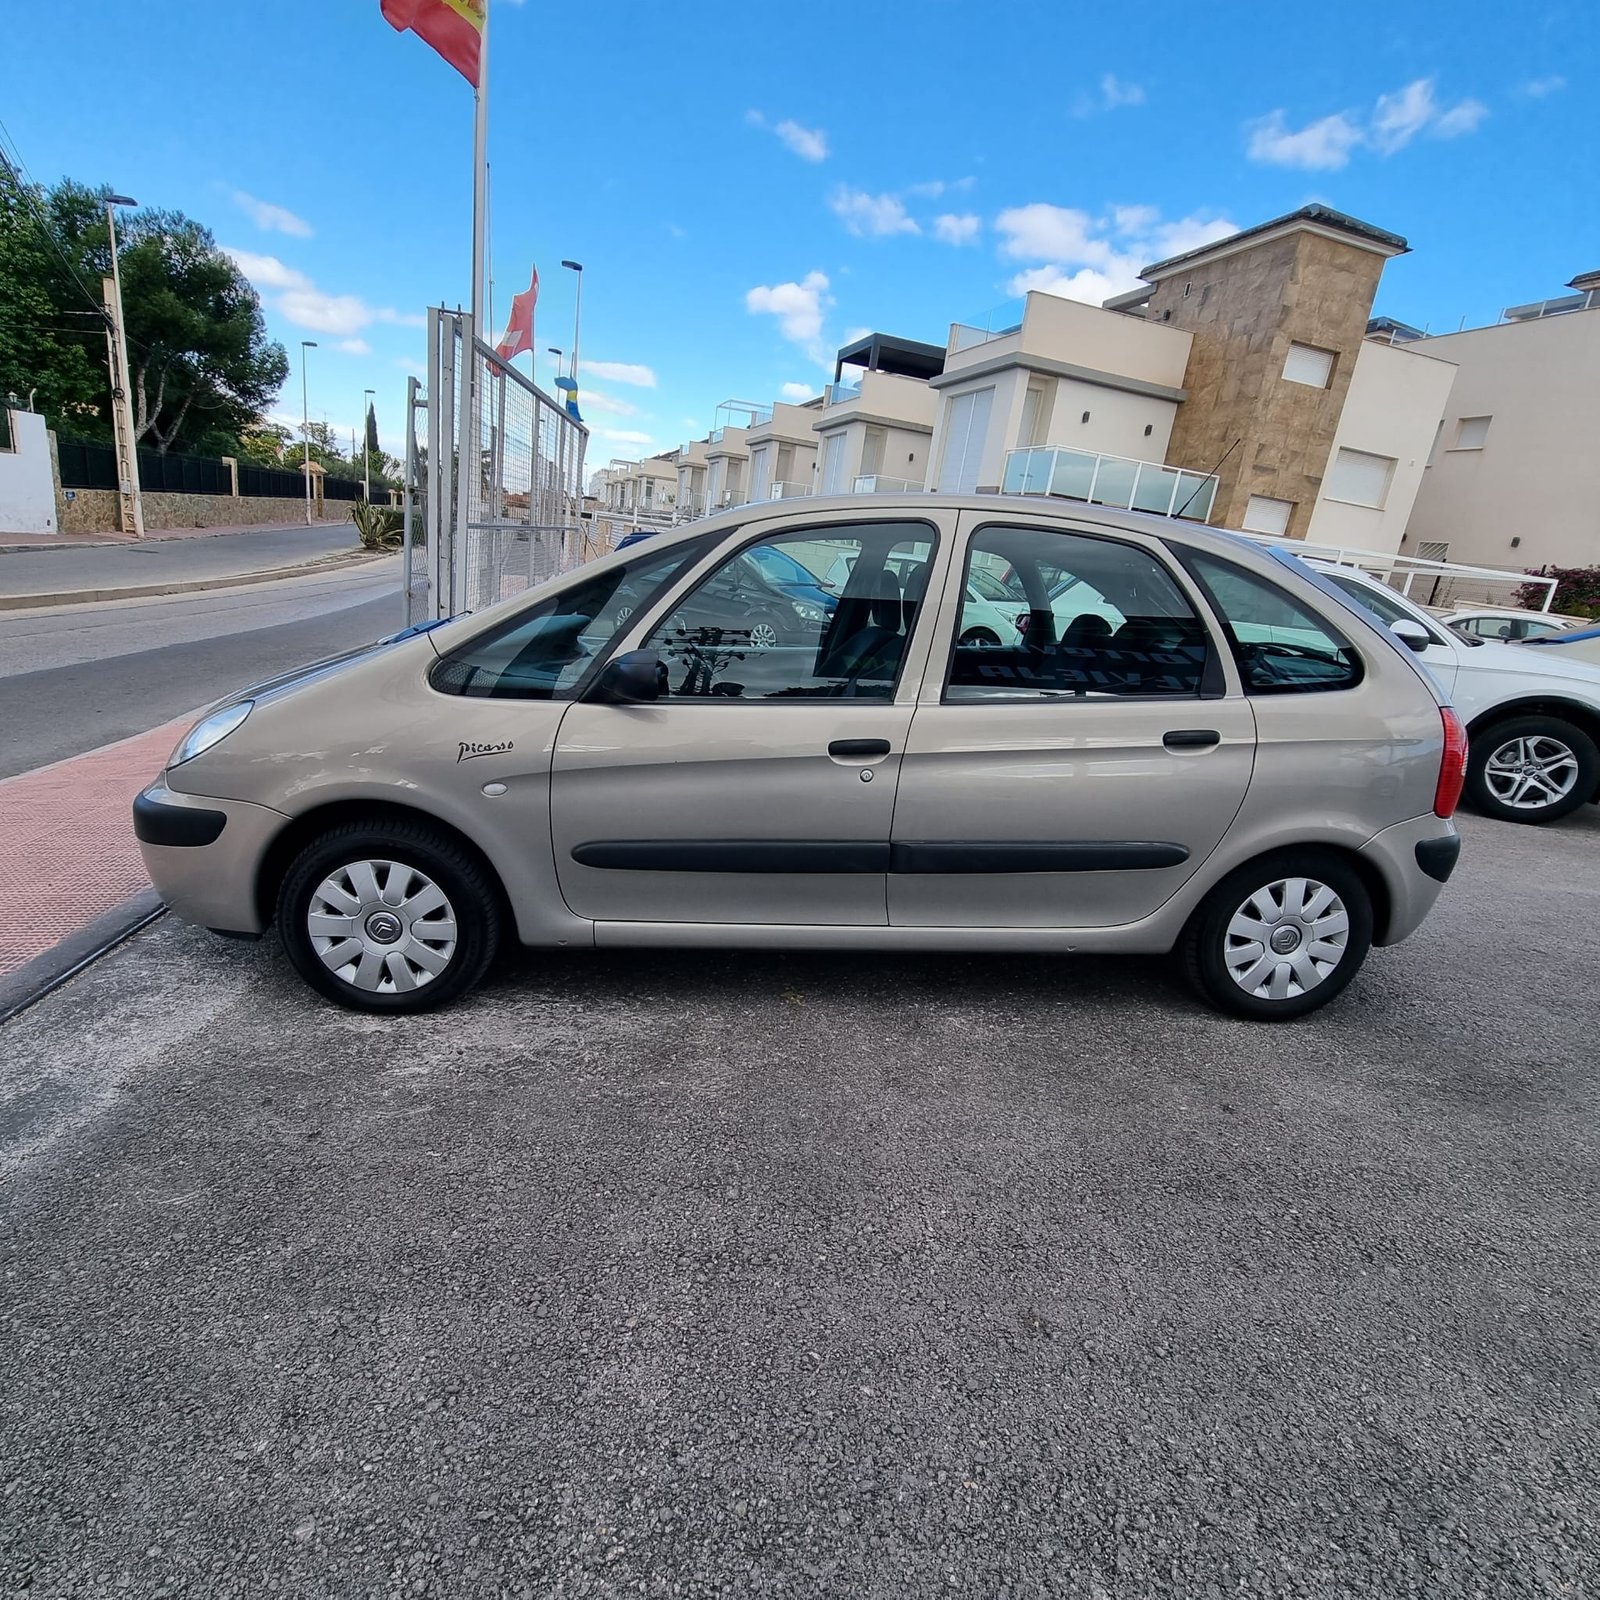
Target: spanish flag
(453,27)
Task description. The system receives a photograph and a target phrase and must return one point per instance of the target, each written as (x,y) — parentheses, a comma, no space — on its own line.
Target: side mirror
(634,678)
(1411,634)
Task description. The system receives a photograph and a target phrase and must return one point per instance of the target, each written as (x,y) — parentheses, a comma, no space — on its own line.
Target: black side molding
(971,855)
(155,823)
(1438,857)
(734,855)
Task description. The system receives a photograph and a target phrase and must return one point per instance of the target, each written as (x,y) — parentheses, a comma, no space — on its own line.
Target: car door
(760,787)
(1081,777)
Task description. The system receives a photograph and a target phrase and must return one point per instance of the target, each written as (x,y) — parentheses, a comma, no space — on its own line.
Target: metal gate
(494,479)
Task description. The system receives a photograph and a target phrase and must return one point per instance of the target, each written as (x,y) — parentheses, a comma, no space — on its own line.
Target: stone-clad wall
(96,510)
(1244,311)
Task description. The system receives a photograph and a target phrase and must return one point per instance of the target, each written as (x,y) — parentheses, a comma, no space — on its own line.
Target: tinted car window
(1379,603)
(1281,646)
(1094,617)
(542,653)
(816,614)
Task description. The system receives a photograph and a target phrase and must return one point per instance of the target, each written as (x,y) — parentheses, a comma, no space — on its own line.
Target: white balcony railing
(876,483)
(788,491)
(1110,481)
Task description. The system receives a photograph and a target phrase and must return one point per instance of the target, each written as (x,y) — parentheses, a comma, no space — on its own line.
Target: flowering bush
(1577,592)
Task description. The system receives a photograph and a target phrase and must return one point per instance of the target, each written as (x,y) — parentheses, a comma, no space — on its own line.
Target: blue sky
(745,195)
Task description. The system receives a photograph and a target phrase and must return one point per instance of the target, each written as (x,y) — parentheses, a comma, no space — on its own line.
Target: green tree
(201,365)
(373,448)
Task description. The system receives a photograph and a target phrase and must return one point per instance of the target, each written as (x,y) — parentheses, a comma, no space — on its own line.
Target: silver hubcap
(382,926)
(763,636)
(1286,938)
(1529,774)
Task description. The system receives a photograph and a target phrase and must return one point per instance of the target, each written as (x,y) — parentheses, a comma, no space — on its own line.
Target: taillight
(1452,765)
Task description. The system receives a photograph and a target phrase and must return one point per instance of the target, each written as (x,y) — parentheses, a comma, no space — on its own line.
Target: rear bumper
(204,855)
(1414,859)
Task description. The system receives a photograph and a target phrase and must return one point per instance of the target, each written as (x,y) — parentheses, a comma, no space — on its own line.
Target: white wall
(27,485)
(1537,477)
(1397,396)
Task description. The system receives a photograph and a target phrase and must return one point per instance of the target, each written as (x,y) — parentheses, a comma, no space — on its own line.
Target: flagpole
(480,178)
(470,445)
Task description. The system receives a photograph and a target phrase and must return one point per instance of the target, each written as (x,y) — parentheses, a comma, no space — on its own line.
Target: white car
(1532,715)
(1505,623)
(1578,644)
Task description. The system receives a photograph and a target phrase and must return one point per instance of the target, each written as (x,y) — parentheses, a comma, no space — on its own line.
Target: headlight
(209,731)
(808,613)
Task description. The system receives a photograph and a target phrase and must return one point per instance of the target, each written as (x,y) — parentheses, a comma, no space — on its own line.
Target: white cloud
(1538,88)
(629,372)
(270,218)
(799,307)
(624,435)
(954,229)
(597,400)
(1092,258)
(1041,232)
(354,347)
(854,335)
(871,216)
(300,301)
(810,144)
(798,393)
(1395,120)
(1117,93)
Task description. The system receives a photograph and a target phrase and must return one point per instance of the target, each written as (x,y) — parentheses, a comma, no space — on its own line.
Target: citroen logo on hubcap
(1285,940)
(383,927)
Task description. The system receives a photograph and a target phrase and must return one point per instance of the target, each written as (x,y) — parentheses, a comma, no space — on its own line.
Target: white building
(783,450)
(874,431)
(1514,476)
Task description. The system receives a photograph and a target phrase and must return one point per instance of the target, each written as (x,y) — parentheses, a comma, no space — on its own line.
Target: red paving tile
(67,851)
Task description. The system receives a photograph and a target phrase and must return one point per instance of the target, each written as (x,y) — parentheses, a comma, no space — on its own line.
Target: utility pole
(305,420)
(576,267)
(130,501)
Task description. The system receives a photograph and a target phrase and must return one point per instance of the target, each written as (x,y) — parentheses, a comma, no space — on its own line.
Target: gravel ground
(843,1276)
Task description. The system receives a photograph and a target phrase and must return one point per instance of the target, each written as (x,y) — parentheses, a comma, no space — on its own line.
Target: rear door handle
(1191,738)
(843,749)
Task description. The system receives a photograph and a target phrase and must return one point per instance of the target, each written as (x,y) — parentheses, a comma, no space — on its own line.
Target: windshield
(1380,603)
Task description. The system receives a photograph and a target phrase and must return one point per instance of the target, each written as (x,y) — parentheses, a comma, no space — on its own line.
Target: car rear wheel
(1531,769)
(984,636)
(1280,937)
(388,918)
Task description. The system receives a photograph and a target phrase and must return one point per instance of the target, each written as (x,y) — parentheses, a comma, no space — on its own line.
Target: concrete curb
(35,979)
(144,591)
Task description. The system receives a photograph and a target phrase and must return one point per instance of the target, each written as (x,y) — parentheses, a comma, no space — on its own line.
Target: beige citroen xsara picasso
(780,727)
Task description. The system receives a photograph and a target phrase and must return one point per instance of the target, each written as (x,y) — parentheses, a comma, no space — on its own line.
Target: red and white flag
(519,326)
(453,27)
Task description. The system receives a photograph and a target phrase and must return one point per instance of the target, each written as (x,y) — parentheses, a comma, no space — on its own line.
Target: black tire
(979,636)
(1487,743)
(1206,943)
(471,897)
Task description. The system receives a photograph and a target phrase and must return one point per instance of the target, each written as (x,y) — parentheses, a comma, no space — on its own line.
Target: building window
(1360,478)
(1266,515)
(1471,432)
(1307,364)
(967,424)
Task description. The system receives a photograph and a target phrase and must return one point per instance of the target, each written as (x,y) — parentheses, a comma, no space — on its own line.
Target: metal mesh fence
(502,476)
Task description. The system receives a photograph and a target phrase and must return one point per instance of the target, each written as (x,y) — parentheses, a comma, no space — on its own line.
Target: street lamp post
(121,393)
(577,314)
(305,419)
(366,445)
(550,349)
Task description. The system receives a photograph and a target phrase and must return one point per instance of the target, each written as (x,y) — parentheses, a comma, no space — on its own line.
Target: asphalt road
(846,1276)
(76,677)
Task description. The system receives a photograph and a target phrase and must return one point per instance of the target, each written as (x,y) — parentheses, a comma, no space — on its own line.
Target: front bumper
(204,855)
(1414,858)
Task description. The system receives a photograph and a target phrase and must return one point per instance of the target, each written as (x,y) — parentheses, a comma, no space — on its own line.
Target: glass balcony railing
(836,393)
(1110,481)
(876,483)
(788,491)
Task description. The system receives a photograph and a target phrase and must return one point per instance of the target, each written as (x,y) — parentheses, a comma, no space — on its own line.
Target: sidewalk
(68,858)
(10,542)
(68,574)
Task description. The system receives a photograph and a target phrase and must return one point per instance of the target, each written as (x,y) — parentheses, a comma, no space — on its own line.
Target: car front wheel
(1531,769)
(395,917)
(1280,937)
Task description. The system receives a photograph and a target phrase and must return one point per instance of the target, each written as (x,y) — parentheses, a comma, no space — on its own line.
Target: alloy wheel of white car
(763,636)
(1530,773)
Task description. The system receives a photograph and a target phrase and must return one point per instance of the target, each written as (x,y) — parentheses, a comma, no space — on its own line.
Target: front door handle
(1191,738)
(844,749)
